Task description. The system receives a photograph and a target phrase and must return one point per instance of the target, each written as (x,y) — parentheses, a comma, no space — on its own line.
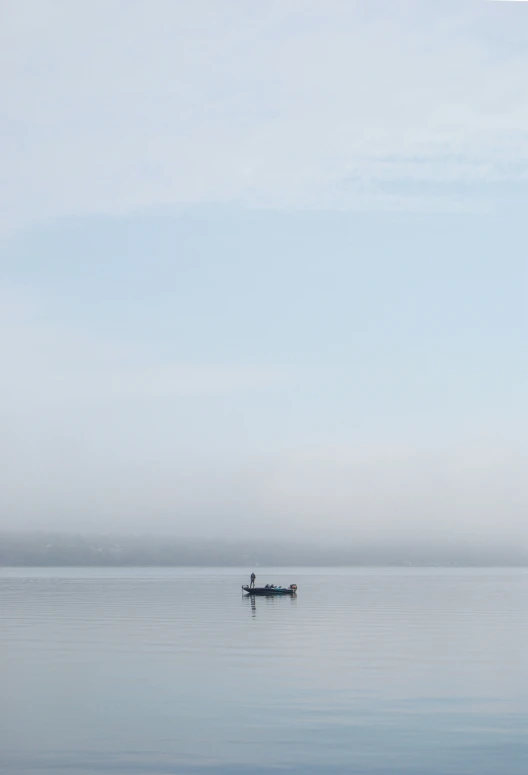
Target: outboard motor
(294,587)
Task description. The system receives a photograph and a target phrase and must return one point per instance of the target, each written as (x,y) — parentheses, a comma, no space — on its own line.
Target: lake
(367,671)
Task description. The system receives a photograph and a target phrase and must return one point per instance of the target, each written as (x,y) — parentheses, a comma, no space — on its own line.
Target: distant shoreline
(364,566)
(62,550)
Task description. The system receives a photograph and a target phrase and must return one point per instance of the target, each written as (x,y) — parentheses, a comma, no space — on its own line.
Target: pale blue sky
(265,261)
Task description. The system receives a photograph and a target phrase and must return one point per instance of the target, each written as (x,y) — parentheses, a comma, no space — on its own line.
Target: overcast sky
(264,261)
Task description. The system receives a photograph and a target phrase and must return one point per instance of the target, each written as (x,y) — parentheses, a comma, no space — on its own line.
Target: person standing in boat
(252,582)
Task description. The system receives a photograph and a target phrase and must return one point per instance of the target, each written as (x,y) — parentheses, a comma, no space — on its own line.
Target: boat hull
(269,591)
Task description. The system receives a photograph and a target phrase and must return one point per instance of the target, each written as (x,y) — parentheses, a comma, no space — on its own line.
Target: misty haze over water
(59,549)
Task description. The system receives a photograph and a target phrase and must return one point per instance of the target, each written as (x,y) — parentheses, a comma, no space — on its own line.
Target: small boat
(270,589)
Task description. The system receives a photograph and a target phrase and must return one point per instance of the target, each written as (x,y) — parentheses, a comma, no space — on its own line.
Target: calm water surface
(378,671)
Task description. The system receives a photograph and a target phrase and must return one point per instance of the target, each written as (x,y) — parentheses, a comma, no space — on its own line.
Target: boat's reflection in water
(267,600)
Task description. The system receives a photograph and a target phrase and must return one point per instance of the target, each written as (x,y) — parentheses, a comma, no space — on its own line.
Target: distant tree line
(61,549)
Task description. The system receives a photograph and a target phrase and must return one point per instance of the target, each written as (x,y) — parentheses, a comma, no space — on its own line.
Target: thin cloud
(114,108)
